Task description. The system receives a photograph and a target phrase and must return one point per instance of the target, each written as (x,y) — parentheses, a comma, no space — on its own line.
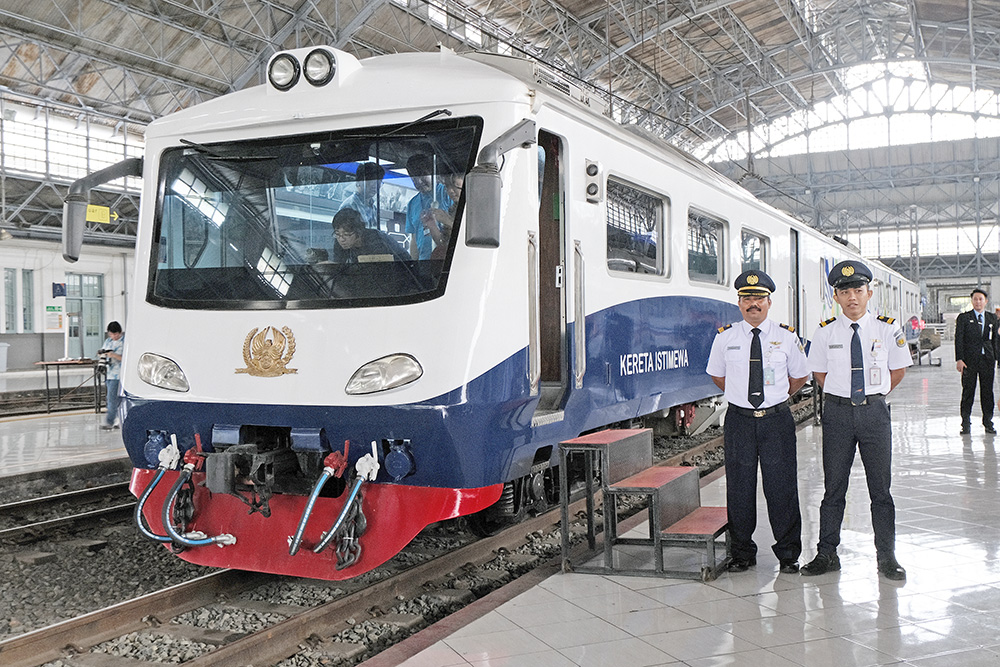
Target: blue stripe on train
(642,356)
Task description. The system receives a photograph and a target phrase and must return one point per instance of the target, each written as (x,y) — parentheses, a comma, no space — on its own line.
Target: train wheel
(505,512)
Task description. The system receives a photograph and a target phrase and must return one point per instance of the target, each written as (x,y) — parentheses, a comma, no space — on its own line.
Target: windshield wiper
(433,114)
(212,153)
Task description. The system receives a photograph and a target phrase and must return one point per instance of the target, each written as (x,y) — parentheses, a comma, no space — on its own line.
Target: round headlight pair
(319,68)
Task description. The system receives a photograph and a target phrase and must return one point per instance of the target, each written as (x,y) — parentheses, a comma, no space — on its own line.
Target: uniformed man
(858,358)
(758,364)
(976,359)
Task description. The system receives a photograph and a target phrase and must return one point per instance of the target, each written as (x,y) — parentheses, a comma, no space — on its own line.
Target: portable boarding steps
(673,494)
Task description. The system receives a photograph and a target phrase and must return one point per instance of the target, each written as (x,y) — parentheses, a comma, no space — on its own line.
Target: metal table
(72,363)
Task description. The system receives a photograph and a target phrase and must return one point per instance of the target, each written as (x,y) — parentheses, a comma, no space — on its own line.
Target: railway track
(153,612)
(379,598)
(35,519)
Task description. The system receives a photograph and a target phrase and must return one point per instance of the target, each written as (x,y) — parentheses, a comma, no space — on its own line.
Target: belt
(833,398)
(761,412)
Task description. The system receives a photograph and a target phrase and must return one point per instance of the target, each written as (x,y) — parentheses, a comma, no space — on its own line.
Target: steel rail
(74,496)
(50,643)
(40,529)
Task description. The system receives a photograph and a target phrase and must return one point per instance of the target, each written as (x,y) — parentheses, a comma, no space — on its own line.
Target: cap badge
(752,279)
(847,270)
(267,351)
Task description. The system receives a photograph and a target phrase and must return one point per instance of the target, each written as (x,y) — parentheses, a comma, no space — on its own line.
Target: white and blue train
(309,401)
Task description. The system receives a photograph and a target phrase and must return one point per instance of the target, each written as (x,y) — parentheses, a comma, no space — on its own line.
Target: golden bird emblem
(267,351)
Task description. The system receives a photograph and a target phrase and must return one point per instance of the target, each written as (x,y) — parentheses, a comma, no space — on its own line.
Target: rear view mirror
(483,186)
(76,202)
(482,207)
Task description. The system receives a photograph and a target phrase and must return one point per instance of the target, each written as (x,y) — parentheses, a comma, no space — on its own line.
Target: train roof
(388,83)
(485,78)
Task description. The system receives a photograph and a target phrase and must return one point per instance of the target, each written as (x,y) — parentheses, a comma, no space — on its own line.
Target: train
(303,397)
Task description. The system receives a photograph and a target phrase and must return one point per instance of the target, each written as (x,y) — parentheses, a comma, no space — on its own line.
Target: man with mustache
(759,364)
(857,359)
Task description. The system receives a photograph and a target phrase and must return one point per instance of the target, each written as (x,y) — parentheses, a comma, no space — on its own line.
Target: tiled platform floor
(59,440)
(945,614)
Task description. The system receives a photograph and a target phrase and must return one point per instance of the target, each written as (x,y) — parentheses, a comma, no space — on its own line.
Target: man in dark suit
(975,357)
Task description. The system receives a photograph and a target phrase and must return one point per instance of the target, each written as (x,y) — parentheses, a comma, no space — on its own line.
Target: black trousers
(983,373)
(771,442)
(865,428)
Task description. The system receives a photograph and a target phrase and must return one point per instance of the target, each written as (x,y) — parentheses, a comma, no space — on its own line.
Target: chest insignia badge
(267,351)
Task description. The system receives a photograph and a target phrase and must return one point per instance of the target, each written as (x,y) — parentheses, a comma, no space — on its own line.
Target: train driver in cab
(759,363)
(353,242)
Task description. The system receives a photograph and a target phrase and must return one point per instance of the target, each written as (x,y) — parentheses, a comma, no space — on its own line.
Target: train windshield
(367,217)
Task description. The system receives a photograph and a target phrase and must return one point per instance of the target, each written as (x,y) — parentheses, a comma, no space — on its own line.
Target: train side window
(705,239)
(753,255)
(635,229)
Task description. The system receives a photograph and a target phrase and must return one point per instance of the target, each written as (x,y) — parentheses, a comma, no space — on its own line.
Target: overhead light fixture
(5,235)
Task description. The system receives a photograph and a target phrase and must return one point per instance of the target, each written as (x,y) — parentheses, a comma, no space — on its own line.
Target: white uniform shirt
(782,358)
(883,347)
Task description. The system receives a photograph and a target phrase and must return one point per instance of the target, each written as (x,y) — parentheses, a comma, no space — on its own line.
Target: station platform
(945,613)
(35,444)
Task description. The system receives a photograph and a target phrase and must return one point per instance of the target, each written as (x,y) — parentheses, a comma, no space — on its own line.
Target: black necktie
(857,369)
(755,391)
(982,332)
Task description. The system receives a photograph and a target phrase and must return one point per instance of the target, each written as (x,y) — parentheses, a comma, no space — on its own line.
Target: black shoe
(788,566)
(991,430)
(741,564)
(821,564)
(965,430)
(890,569)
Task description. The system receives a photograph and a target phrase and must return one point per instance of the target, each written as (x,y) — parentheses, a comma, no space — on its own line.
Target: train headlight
(284,71)
(388,372)
(162,372)
(319,67)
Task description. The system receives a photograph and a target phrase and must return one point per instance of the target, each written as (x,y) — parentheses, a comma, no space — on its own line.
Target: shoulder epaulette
(721,329)
(825,322)
(789,327)
(887,320)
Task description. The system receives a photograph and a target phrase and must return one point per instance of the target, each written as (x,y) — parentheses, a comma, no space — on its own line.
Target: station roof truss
(696,72)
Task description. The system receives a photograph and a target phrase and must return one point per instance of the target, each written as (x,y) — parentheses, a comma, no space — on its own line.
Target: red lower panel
(395,515)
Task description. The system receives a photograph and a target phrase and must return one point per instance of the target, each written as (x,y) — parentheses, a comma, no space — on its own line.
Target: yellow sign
(98,214)
(101,214)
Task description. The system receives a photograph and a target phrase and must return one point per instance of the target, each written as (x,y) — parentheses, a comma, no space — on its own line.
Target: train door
(793,280)
(551,271)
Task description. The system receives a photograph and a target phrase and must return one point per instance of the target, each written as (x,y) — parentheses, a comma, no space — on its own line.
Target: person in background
(444,217)
(112,352)
(976,359)
(368,178)
(857,358)
(431,194)
(759,363)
